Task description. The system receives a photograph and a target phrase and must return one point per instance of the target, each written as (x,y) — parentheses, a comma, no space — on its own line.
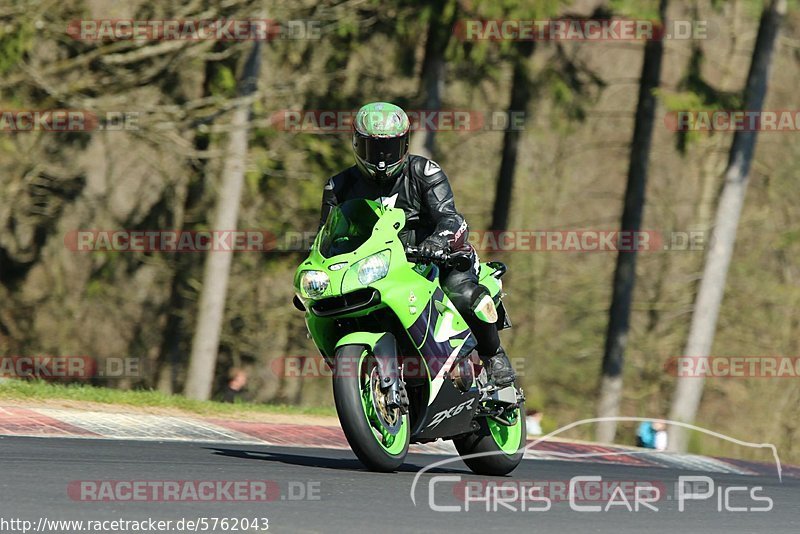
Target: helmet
(380,140)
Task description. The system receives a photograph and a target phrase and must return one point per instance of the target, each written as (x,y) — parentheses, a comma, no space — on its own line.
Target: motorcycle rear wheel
(500,447)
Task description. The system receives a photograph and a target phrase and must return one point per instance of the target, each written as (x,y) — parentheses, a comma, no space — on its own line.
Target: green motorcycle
(403,360)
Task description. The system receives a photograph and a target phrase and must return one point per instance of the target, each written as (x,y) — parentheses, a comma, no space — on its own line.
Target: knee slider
(483,306)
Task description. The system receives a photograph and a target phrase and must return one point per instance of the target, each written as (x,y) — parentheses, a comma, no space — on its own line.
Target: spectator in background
(235,386)
(652,435)
(533,422)
(661,436)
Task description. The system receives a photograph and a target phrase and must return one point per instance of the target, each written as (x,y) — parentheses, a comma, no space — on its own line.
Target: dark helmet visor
(373,150)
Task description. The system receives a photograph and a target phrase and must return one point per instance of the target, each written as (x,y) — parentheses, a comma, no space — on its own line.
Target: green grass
(39,390)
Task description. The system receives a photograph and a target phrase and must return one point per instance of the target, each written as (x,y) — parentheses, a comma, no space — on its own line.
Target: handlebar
(458,260)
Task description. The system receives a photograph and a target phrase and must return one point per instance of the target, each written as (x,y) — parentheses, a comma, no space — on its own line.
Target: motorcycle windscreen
(349,225)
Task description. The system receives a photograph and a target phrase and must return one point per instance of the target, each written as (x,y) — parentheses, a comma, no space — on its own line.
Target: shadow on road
(345,464)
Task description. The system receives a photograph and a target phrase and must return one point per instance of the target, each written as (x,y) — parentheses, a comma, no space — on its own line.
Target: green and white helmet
(380,140)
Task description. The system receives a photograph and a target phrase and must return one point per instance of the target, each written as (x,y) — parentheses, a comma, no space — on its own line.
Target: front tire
(365,429)
(502,446)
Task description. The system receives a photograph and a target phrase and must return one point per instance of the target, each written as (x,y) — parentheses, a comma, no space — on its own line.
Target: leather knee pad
(464,292)
(485,333)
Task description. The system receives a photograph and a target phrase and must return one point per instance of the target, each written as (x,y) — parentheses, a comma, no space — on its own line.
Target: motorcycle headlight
(364,272)
(373,268)
(314,283)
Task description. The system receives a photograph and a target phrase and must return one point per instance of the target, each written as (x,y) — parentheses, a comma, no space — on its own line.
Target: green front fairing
(494,285)
(405,290)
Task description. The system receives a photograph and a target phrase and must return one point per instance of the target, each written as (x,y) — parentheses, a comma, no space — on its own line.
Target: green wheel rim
(393,444)
(508,438)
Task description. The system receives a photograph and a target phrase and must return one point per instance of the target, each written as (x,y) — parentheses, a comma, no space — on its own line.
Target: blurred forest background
(571,167)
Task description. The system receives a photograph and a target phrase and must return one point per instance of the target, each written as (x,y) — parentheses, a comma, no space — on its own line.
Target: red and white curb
(58,422)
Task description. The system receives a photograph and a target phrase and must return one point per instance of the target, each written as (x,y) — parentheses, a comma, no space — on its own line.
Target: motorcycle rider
(386,172)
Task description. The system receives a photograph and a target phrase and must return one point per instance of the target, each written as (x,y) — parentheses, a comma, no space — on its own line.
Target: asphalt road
(315,490)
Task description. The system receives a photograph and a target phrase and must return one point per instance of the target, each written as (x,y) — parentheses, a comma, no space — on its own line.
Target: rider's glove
(434,246)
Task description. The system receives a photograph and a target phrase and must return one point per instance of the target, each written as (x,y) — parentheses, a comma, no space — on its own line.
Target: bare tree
(520,97)
(188,211)
(433,72)
(625,271)
(689,390)
(218,264)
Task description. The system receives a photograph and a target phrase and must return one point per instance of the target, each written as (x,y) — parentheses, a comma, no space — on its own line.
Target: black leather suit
(423,192)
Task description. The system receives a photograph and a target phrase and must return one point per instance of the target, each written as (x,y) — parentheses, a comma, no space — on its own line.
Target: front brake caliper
(397,396)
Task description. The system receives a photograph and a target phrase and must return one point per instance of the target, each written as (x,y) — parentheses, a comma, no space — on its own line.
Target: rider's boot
(499,368)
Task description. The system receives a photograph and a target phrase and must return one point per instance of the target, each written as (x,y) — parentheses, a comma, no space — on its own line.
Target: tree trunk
(520,97)
(433,75)
(218,264)
(689,390)
(187,214)
(625,272)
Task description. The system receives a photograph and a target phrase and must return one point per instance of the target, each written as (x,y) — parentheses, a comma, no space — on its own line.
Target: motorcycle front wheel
(378,436)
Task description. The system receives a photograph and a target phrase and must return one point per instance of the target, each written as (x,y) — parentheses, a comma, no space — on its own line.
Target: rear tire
(506,446)
(377,450)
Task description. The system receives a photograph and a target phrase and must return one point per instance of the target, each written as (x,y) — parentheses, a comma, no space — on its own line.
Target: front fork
(383,347)
(393,386)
